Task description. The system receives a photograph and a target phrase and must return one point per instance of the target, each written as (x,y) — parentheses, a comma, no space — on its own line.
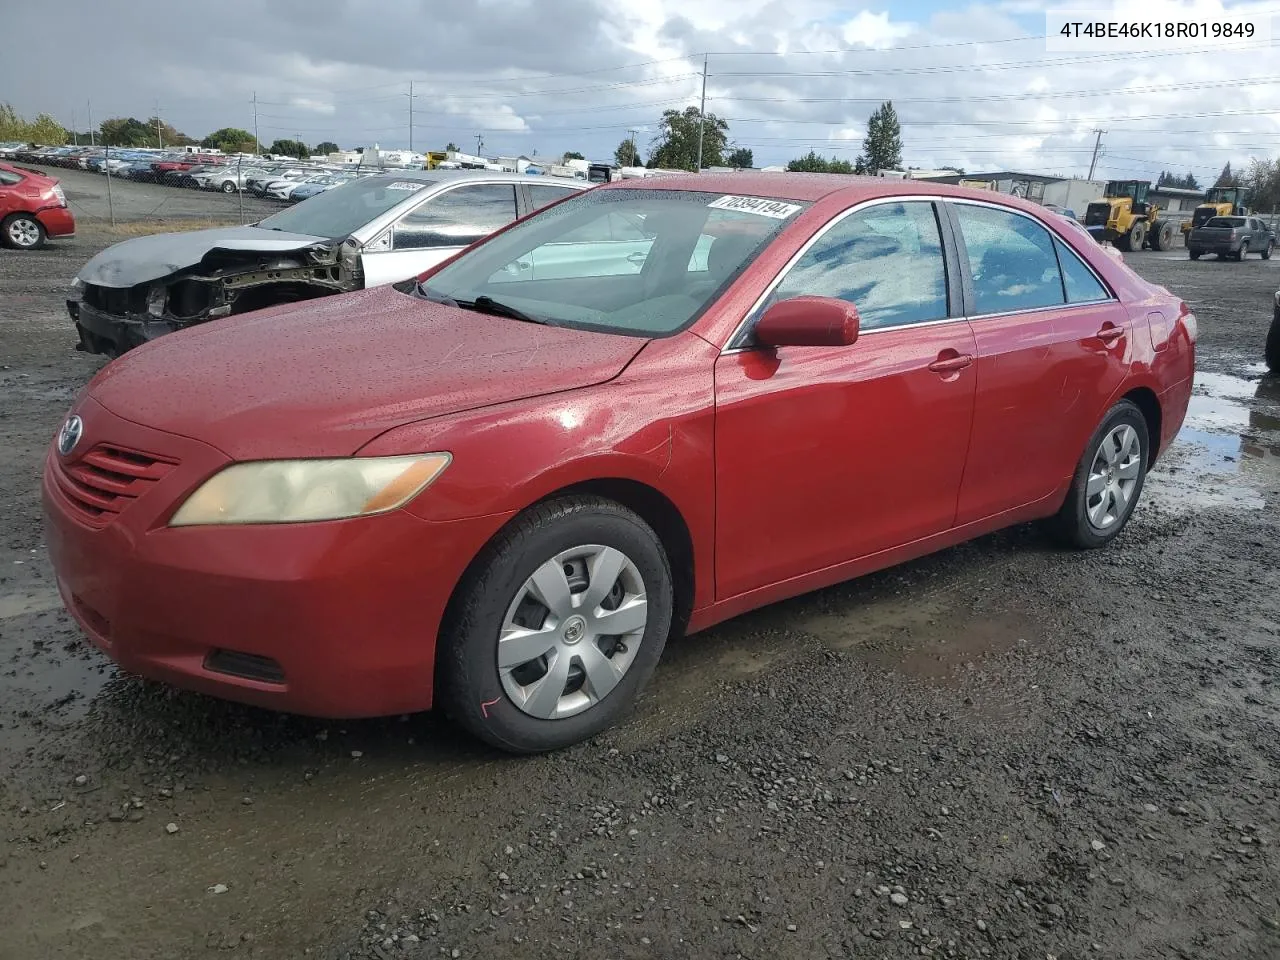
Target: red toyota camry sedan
(499,487)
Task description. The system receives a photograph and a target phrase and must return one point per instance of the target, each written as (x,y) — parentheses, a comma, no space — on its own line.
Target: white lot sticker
(758,205)
(405,185)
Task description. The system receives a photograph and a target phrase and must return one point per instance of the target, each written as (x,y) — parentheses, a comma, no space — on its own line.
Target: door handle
(951,364)
(637,257)
(1108,334)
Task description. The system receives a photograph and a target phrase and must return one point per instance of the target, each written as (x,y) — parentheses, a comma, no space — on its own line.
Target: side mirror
(808,322)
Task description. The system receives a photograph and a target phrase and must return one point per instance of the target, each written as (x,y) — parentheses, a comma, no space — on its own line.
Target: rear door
(1052,345)
(10,200)
(438,228)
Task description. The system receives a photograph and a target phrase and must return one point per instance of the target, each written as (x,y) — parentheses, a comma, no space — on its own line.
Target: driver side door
(830,454)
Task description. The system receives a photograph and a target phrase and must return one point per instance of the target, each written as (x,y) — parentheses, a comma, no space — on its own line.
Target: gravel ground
(1004,750)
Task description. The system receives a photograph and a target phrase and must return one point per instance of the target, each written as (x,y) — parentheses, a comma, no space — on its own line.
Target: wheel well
(1144,398)
(667,522)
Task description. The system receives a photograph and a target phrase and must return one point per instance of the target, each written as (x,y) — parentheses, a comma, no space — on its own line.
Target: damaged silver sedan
(372,231)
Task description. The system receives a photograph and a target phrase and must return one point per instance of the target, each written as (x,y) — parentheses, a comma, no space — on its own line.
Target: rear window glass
(1226,222)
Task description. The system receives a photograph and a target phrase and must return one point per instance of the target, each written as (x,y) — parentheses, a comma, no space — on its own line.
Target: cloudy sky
(972,83)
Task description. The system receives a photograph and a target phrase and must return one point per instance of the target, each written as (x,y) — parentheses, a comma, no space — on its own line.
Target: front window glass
(885,259)
(457,217)
(635,261)
(337,212)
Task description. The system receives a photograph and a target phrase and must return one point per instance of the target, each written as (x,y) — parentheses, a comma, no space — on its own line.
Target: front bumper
(335,619)
(113,335)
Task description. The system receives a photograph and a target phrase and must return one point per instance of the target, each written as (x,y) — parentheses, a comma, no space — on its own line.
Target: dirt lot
(1004,750)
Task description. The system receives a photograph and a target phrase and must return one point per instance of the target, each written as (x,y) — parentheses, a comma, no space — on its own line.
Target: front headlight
(300,491)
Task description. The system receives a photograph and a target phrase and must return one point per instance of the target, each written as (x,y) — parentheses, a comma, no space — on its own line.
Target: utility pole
(92,141)
(159,133)
(635,156)
(479,144)
(411,116)
(257,145)
(75,137)
(702,113)
(1097,143)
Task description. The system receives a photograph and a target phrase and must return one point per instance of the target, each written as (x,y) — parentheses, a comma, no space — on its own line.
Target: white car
(374,230)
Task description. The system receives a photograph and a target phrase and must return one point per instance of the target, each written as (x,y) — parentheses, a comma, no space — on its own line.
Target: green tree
(572,155)
(741,158)
(1189,182)
(451,147)
(45,129)
(125,132)
(676,145)
(882,148)
(229,140)
(812,163)
(327,147)
(1263,181)
(289,148)
(627,154)
(1226,178)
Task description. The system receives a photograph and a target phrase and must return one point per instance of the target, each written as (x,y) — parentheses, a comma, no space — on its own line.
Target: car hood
(324,377)
(150,258)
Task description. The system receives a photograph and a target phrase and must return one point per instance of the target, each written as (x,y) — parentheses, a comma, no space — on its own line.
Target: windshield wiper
(485,304)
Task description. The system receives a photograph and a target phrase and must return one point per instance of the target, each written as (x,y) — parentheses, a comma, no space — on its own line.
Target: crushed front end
(112,320)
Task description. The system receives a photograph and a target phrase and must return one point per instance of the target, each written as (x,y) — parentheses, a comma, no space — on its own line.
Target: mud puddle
(1227,453)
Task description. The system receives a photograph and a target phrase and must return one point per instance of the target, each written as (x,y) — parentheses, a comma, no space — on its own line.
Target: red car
(32,209)
(501,486)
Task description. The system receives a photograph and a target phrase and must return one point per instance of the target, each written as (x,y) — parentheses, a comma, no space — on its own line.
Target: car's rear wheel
(1243,251)
(1194,254)
(1108,480)
(228,186)
(1267,250)
(21,231)
(556,627)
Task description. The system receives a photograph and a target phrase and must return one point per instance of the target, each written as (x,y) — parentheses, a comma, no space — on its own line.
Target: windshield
(638,262)
(335,213)
(1226,222)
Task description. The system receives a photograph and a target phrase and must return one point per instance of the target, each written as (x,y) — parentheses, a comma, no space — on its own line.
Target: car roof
(812,187)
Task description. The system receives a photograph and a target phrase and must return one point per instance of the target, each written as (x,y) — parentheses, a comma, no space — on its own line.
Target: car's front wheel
(556,627)
(22,231)
(228,186)
(1108,480)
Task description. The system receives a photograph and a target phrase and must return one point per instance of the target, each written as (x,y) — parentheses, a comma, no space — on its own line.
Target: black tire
(228,186)
(1194,254)
(21,231)
(468,685)
(1273,343)
(1266,252)
(1072,525)
(1138,235)
(1162,235)
(1242,252)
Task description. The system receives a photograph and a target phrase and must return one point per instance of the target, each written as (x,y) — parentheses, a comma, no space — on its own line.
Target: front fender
(653,425)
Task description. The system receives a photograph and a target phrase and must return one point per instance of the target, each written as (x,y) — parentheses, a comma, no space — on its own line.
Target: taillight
(1189,323)
(62,197)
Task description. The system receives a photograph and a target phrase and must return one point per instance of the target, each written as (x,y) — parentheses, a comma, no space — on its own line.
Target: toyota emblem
(70,435)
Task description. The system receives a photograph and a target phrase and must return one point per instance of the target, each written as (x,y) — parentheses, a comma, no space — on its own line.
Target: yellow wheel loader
(1218,202)
(1125,217)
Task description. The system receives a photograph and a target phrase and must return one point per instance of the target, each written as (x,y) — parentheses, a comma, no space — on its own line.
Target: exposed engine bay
(113,319)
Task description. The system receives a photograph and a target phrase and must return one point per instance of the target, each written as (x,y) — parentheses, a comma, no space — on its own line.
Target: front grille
(247,666)
(118,301)
(103,482)
(1096,214)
